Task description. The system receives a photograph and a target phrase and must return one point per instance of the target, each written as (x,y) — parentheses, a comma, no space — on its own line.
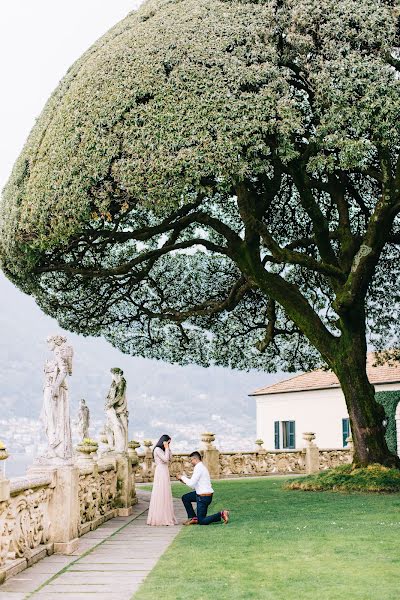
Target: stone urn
(208,438)
(309,437)
(86,450)
(148,445)
(259,447)
(3,452)
(132,445)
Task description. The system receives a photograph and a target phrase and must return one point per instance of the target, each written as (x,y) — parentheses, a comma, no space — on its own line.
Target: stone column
(312,453)
(124,485)
(211,455)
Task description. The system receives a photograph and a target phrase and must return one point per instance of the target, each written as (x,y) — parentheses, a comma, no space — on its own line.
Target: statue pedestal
(124,485)
(64,511)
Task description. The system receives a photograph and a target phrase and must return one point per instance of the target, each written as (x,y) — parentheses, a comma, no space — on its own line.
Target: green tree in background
(218,182)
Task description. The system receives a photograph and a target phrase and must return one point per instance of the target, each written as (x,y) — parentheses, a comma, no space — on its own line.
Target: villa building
(313,402)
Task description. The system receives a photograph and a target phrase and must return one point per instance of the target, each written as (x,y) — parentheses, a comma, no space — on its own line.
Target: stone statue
(116,409)
(83,420)
(55,410)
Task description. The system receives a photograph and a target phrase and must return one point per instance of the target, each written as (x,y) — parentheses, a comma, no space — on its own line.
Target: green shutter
(345,431)
(292,435)
(277,441)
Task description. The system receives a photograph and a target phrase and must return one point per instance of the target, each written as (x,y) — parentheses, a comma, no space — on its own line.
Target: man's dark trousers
(203,502)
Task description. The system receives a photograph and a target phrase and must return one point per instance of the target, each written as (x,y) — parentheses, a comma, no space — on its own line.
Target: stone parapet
(260,462)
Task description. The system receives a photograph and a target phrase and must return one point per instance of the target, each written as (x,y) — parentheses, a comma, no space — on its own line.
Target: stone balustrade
(260,462)
(49,509)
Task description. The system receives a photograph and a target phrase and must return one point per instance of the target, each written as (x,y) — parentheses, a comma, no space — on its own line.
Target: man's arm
(194,478)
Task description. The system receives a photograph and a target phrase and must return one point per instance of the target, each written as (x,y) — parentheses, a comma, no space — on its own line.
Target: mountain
(163,398)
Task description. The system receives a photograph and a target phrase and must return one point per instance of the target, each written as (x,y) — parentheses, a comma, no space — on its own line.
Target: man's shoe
(190,522)
(225,516)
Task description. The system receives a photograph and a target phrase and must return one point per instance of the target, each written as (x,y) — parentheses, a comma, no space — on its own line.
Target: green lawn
(284,545)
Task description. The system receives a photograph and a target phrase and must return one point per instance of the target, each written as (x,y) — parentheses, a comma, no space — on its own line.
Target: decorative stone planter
(132,445)
(309,437)
(86,451)
(208,438)
(259,447)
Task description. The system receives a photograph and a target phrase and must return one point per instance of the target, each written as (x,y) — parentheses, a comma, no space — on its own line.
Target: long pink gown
(161,509)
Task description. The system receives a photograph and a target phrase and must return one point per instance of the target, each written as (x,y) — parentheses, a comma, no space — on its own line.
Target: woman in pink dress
(161,509)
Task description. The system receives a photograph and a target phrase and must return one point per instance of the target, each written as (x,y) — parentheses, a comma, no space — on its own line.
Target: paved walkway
(110,564)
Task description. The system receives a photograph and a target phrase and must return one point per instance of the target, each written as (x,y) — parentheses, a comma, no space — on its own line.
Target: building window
(286,431)
(345,431)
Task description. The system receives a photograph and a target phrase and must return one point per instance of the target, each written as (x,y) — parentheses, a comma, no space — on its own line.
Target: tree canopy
(218,181)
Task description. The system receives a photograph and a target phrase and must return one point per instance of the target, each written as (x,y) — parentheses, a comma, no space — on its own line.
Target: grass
(345,478)
(284,545)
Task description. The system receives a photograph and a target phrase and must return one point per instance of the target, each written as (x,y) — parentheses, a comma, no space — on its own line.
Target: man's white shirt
(200,480)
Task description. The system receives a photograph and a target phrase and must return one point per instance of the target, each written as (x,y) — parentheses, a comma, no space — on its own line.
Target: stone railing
(260,462)
(49,509)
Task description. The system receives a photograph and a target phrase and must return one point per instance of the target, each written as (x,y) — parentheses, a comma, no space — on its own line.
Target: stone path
(110,564)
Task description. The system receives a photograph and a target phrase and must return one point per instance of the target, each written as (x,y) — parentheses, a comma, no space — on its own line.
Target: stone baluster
(312,453)
(211,455)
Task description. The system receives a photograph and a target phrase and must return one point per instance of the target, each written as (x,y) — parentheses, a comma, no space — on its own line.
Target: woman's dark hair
(160,443)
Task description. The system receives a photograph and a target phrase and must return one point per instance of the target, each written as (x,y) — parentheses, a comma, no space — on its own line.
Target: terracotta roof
(322,380)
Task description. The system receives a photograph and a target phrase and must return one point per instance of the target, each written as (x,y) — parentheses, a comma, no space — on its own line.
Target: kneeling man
(202,495)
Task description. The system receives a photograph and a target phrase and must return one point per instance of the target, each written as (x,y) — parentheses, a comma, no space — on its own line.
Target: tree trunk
(366,415)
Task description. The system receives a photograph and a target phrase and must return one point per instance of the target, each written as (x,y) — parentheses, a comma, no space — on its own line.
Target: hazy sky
(39,40)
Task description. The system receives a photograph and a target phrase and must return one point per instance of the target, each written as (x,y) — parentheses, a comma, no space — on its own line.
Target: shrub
(346,478)
(389,401)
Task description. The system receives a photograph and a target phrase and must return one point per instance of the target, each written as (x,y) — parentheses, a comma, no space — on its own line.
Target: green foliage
(116,214)
(389,401)
(283,545)
(89,442)
(374,478)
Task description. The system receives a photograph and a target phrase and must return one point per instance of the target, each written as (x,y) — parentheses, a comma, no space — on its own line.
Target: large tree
(217,181)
